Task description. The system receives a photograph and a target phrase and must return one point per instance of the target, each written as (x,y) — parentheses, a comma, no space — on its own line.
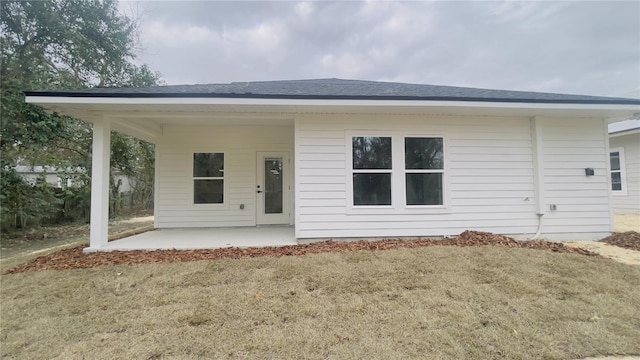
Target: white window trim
(425,171)
(398,171)
(623,172)
(224,178)
(366,209)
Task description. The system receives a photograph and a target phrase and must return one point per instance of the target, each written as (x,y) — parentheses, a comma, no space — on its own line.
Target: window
(208,178)
(396,172)
(618,183)
(424,167)
(371,170)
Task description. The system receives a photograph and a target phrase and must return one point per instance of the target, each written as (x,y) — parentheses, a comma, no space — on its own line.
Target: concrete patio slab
(191,239)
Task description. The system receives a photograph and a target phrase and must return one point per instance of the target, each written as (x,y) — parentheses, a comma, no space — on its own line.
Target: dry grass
(437,302)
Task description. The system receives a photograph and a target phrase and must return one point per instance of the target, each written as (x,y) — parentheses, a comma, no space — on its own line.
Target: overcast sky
(586,47)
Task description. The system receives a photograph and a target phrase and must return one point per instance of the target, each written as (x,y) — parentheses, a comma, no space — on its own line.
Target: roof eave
(38,98)
(85,95)
(88,108)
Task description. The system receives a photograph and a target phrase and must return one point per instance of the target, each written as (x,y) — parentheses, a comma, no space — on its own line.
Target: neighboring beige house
(32,174)
(355,159)
(624,148)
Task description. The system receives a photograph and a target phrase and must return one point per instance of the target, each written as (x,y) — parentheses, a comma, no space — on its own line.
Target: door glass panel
(273,185)
(616,181)
(615,160)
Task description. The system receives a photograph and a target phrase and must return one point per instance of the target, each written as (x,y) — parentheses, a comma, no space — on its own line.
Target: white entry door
(272,189)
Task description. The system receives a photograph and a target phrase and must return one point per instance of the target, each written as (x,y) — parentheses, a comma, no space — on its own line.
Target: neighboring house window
(397,171)
(424,168)
(372,166)
(208,178)
(616,157)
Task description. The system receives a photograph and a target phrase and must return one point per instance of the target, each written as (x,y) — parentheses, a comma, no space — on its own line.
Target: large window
(616,157)
(208,178)
(424,167)
(371,170)
(396,171)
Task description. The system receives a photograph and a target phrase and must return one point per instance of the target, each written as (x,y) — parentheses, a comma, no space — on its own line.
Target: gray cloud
(568,47)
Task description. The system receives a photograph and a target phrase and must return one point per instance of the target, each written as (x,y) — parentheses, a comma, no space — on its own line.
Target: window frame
(370,171)
(622,171)
(192,179)
(423,171)
(398,175)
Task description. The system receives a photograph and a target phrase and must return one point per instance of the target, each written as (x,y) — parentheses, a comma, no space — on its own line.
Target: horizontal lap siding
(582,202)
(175,208)
(630,203)
(490,169)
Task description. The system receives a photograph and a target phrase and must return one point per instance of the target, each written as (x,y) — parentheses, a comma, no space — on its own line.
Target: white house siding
(33,177)
(489,177)
(629,203)
(174,202)
(488,164)
(582,202)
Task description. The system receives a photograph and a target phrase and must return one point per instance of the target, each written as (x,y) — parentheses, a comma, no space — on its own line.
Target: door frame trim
(285,217)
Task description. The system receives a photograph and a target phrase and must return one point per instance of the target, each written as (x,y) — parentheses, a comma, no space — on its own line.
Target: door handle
(259,191)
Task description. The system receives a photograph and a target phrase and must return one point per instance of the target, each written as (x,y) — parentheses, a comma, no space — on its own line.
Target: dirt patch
(74,258)
(627,222)
(51,236)
(627,240)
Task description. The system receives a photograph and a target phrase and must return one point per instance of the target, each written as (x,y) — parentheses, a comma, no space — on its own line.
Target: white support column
(100,158)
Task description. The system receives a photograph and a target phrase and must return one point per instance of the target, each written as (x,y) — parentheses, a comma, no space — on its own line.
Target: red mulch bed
(75,259)
(627,240)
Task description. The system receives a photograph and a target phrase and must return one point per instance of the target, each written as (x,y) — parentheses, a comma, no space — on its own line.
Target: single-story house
(624,150)
(360,159)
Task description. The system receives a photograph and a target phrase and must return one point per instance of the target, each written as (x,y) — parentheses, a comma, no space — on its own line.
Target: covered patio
(204,238)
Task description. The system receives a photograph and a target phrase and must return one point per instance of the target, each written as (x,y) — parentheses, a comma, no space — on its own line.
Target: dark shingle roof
(340,90)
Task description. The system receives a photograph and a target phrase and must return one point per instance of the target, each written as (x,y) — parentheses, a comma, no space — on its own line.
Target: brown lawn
(429,302)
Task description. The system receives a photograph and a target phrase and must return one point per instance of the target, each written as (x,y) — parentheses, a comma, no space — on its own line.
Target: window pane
(371,152)
(424,189)
(616,181)
(423,153)
(208,191)
(615,160)
(208,165)
(371,189)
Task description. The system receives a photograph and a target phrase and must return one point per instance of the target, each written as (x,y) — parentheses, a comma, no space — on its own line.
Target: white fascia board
(61,100)
(625,132)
